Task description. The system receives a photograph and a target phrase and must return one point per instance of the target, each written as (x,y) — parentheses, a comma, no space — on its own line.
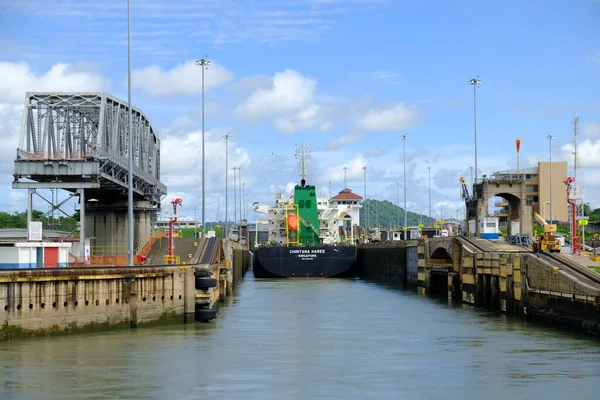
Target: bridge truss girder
(81,140)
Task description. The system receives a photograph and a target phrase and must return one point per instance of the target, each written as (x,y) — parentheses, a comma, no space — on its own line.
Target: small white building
(348,205)
(34,255)
(164,224)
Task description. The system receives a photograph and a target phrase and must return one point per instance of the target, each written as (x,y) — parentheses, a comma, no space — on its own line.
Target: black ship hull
(303,262)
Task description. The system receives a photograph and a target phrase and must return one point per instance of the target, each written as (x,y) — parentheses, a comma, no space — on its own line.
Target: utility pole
(203,63)
(475,83)
(240,189)
(550,137)
(234,199)
(429,174)
(129,154)
(398,203)
(226,137)
(404,137)
(365,201)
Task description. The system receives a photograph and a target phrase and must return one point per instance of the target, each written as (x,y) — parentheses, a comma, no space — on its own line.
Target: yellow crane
(464,190)
(546,241)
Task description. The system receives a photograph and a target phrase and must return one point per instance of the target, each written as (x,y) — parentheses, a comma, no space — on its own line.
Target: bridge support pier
(495,292)
(454,290)
(106,223)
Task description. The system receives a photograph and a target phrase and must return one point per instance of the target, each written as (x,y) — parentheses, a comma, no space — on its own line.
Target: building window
(301,204)
(531,188)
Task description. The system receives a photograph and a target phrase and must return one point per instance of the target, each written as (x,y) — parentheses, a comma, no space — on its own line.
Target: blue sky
(347,77)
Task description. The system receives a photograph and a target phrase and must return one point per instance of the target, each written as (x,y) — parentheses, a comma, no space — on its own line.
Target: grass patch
(188,233)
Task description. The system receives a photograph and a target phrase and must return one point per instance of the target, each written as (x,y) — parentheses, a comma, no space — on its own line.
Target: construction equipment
(545,241)
(465,191)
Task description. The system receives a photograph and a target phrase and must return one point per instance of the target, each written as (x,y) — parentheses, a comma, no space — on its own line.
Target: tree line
(19,220)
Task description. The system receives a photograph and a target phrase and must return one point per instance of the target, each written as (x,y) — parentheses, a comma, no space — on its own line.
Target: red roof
(346,194)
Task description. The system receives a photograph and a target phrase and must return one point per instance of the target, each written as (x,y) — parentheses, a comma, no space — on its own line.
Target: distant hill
(384,214)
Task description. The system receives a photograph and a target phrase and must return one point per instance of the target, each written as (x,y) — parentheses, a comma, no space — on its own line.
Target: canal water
(314,339)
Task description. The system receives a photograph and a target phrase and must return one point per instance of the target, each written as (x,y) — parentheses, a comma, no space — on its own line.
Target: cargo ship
(309,236)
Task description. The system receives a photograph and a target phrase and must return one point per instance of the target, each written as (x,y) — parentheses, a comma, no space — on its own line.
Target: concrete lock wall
(45,301)
(383,262)
(553,295)
(241,261)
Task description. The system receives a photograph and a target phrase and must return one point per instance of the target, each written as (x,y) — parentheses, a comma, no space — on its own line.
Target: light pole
(345,185)
(240,189)
(404,137)
(226,137)
(365,202)
(203,63)
(243,210)
(550,137)
(129,152)
(429,175)
(475,83)
(471,177)
(398,203)
(234,199)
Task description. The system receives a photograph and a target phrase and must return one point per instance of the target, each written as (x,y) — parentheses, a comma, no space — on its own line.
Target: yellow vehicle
(546,241)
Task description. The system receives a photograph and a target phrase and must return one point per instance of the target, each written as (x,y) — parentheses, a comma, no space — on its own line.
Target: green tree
(594,215)
(384,214)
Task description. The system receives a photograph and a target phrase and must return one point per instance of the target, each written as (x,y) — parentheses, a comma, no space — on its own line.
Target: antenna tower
(577,195)
(302,156)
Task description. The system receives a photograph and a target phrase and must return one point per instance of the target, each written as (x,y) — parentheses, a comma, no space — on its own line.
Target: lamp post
(129,154)
(203,63)
(471,176)
(345,185)
(226,137)
(429,176)
(234,199)
(550,137)
(240,189)
(404,137)
(365,202)
(398,203)
(243,209)
(475,83)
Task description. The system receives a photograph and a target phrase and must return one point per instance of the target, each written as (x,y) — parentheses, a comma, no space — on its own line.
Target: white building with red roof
(347,205)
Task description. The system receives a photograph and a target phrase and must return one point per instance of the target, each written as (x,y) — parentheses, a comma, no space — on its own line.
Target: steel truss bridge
(81,141)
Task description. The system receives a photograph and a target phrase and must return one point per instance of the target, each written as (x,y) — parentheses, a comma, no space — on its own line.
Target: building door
(39,257)
(50,257)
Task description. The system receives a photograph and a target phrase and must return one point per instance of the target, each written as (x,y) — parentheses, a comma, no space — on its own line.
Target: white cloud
(18,78)
(309,117)
(354,170)
(594,57)
(388,118)
(589,152)
(289,100)
(183,79)
(290,91)
(342,141)
(389,77)
(590,129)
(10,126)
